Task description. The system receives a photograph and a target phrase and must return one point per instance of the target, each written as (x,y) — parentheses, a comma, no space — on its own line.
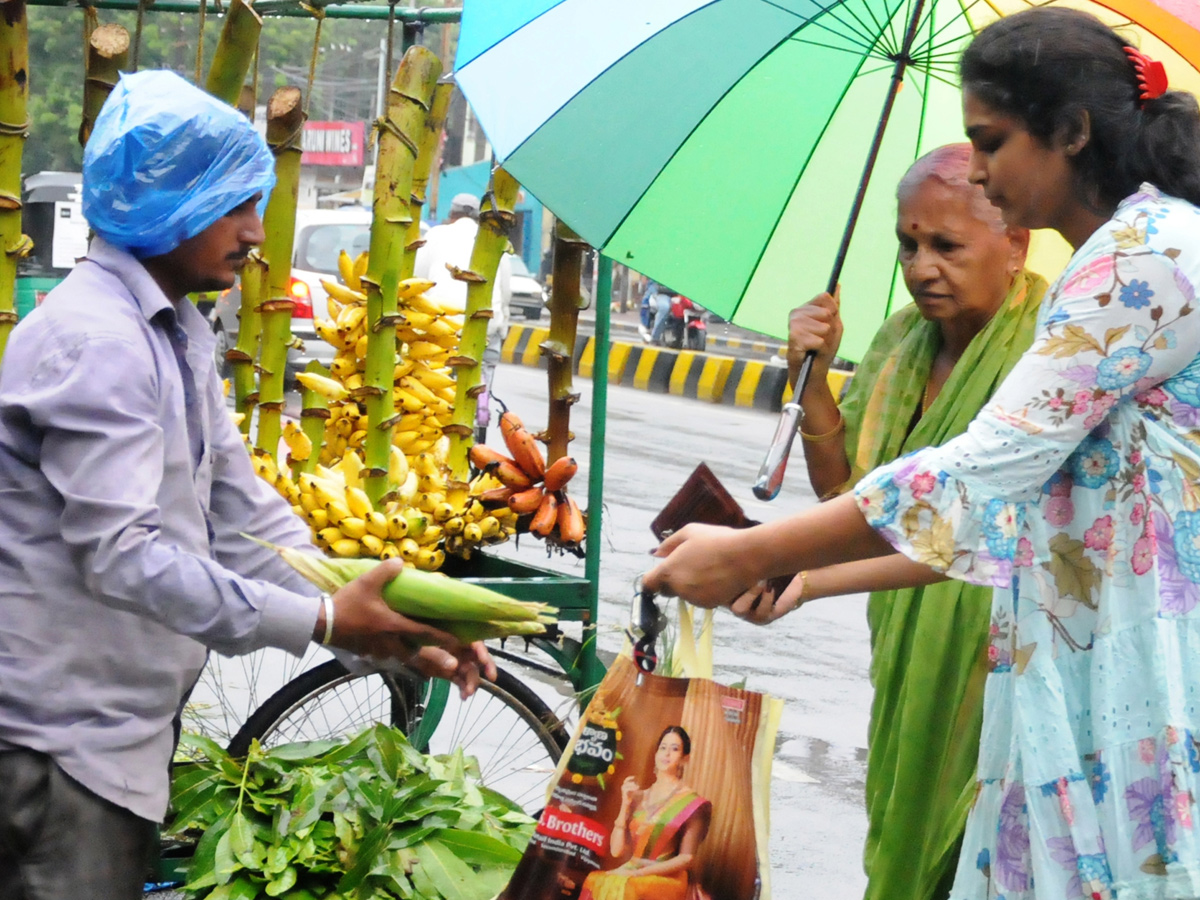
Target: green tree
(346,73)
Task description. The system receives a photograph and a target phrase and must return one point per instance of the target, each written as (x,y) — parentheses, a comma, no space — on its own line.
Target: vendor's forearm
(879,574)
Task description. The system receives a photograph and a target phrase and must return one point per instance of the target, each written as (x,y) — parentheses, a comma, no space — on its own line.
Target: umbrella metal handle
(774,466)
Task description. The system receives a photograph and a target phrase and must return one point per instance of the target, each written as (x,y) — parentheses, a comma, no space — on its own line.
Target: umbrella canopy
(717,145)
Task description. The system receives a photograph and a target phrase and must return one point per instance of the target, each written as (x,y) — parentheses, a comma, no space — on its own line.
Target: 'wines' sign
(332,144)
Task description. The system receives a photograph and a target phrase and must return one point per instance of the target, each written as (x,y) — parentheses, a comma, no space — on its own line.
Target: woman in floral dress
(1075,492)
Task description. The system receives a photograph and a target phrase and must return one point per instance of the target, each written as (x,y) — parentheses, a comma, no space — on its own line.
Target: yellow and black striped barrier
(710,377)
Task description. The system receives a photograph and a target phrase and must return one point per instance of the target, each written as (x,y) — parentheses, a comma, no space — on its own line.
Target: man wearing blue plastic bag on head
(124,489)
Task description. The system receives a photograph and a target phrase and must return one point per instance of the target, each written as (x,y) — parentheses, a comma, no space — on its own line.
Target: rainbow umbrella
(723,146)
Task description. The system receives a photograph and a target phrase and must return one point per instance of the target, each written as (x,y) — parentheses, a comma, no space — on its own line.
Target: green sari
(929,656)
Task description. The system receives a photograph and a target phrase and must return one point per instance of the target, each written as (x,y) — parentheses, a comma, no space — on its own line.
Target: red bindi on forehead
(912,227)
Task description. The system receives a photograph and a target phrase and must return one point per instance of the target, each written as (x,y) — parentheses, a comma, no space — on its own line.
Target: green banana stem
(427,154)
(108,54)
(496,219)
(565,302)
(241,357)
(314,413)
(285,118)
(399,133)
(14,126)
(235,52)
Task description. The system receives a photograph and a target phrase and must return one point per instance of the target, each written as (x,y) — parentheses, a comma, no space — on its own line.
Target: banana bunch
(465,523)
(345,524)
(528,488)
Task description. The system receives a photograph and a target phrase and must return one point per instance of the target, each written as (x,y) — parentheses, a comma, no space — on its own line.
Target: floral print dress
(1076,494)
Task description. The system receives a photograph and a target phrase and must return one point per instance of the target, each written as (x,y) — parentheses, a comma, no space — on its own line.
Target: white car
(320,235)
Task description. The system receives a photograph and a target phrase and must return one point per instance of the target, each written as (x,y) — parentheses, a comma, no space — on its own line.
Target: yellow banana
(360,269)
(318,519)
(341,292)
(343,367)
(329,333)
(377,524)
(418,390)
(434,379)
(403,439)
(407,491)
(326,387)
(389,551)
(419,320)
(397,526)
(425,350)
(336,512)
(346,548)
(443,512)
(352,527)
(297,441)
(409,549)
(397,466)
(351,317)
(404,367)
(411,287)
(371,544)
(346,270)
(489,526)
(329,534)
(360,347)
(407,401)
(358,502)
(351,466)
(443,328)
(431,535)
(473,531)
(453,525)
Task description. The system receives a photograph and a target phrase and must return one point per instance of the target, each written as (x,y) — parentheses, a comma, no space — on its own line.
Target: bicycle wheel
(504,725)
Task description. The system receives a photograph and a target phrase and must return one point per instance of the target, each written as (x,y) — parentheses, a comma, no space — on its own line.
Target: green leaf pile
(371,818)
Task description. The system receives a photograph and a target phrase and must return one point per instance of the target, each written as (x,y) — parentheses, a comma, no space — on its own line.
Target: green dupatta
(929,658)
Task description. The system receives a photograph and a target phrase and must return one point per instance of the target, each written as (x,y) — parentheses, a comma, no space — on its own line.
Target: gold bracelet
(828,436)
(803,585)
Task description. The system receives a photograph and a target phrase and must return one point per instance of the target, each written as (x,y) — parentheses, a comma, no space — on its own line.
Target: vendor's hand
(817,325)
(365,625)
(760,604)
(702,564)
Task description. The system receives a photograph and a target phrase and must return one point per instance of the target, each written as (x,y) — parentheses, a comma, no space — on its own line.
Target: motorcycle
(687,326)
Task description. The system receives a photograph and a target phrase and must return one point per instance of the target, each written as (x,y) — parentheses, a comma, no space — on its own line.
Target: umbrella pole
(770,475)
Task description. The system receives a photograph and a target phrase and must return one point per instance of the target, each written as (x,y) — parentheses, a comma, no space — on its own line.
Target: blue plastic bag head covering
(165,161)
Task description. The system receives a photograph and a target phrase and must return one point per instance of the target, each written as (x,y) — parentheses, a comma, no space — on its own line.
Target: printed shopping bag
(662,795)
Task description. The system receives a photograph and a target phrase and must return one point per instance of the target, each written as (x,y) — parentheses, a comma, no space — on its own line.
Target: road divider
(709,377)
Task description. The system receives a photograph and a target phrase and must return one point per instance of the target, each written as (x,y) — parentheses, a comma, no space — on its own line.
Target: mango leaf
(478,849)
(452,877)
(373,843)
(407,835)
(282,883)
(249,852)
(304,751)
(277,859)
(241,888)
(225,863)
(310,798)
(1075,575)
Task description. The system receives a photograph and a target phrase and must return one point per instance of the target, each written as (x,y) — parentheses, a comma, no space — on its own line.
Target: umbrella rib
(864,42)
(866,52)
(869,32)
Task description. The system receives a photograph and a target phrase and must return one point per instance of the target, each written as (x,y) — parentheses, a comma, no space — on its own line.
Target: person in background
(450,244)
(662,314)
(927,373)
(127,492)
(1073,492)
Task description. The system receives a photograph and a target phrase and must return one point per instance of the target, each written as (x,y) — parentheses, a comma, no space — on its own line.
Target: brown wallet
(701,499)
(704,499)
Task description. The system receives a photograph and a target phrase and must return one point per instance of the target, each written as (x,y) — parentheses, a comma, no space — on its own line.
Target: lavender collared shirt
(121,558)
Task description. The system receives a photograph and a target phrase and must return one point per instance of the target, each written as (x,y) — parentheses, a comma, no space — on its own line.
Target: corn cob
(427,596)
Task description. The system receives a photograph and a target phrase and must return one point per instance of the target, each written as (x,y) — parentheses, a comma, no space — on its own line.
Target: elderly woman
(1074,491)
(929,370)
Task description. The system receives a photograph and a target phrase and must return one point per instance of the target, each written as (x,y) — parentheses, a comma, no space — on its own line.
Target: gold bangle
(803,585)
(827,436)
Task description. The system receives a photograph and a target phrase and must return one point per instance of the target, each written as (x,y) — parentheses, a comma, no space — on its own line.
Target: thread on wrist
(827,436)
(327,601)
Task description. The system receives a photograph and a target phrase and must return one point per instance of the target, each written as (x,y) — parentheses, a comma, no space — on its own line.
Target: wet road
(816,660)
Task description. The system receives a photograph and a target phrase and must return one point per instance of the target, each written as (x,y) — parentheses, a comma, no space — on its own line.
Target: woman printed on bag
(1073,492)
(660,828)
